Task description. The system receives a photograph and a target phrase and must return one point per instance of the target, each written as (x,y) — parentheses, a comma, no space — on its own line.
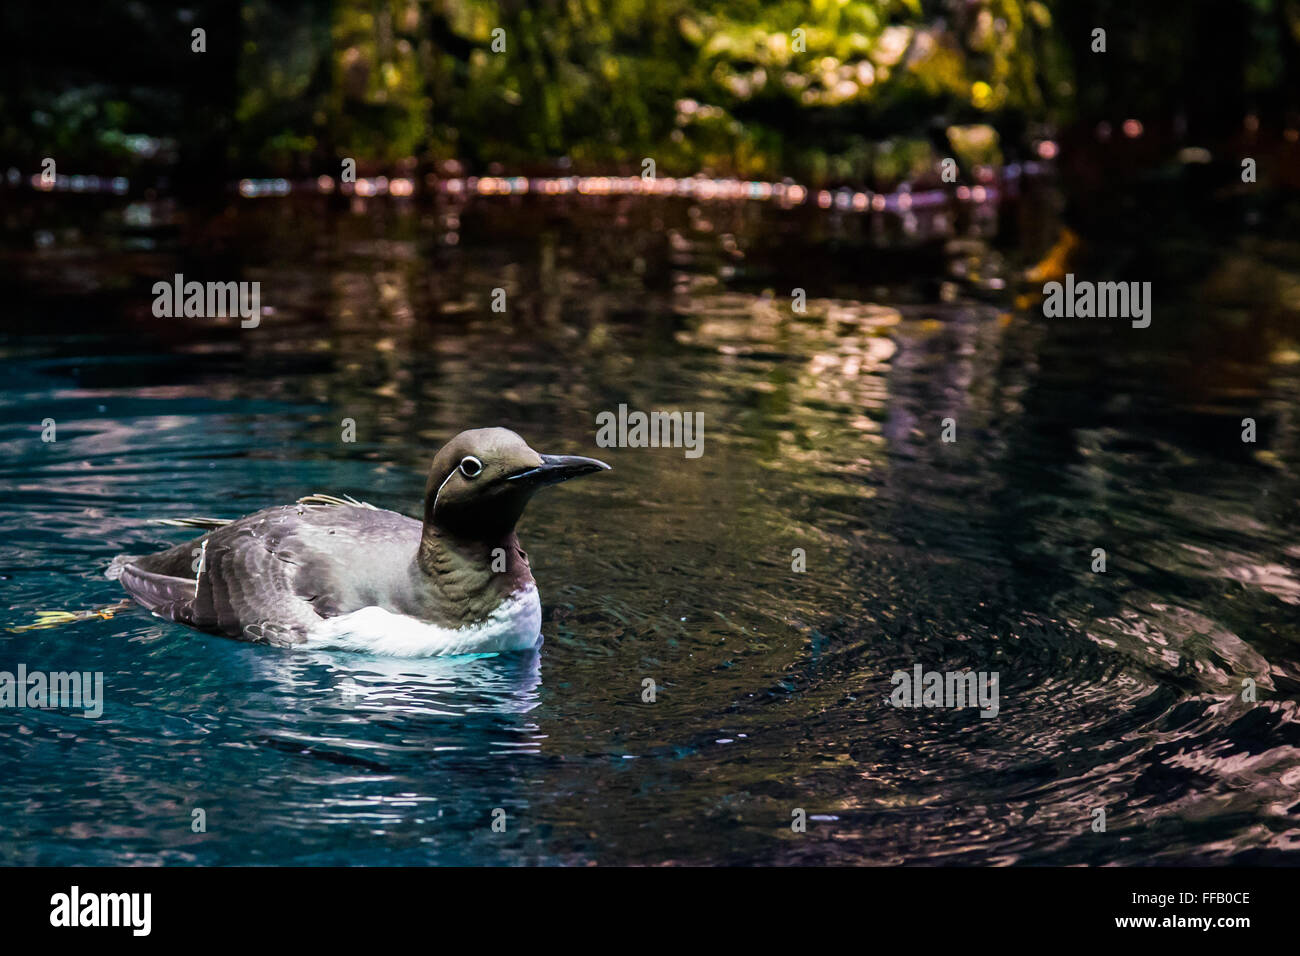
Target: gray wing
(270,576)
(240,580)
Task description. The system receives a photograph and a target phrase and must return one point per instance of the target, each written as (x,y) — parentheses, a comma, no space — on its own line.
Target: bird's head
(482,479)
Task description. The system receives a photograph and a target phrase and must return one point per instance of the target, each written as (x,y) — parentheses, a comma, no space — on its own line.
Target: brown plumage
(271,576)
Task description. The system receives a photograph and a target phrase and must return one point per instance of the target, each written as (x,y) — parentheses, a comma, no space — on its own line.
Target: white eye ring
(471,467)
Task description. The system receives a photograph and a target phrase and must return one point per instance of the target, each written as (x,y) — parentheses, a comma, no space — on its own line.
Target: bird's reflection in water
(435,686)
(390,744)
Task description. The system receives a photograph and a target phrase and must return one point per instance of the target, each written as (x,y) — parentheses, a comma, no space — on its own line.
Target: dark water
(1118,691)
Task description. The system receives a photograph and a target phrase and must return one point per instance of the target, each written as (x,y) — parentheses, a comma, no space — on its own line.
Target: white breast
(514,626)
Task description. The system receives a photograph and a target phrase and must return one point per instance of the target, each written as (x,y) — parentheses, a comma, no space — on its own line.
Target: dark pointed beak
(557,468)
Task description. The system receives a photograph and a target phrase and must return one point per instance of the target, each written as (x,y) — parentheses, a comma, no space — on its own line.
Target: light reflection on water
(1119,691)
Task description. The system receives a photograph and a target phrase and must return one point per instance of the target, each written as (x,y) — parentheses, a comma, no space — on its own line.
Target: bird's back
(273,575)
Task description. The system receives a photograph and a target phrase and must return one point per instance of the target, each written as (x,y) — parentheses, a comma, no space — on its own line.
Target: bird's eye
(470,466)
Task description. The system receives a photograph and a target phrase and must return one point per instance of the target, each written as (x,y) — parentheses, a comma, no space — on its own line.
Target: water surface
(1119,691)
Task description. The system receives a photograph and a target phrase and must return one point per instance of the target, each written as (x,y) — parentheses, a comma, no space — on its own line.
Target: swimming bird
(339,573)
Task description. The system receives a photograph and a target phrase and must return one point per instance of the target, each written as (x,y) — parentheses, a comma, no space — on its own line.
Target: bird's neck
(465,579)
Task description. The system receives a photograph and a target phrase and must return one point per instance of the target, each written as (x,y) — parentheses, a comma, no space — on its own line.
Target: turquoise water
(1119,691)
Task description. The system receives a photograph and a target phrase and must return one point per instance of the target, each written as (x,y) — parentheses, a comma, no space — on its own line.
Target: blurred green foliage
(811,88)
(821,90)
